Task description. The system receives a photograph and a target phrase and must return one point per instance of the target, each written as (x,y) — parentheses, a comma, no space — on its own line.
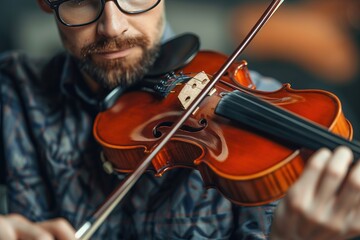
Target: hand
(14,226)
(325,201)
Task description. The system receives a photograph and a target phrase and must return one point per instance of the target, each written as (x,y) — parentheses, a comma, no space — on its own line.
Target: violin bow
(90,226)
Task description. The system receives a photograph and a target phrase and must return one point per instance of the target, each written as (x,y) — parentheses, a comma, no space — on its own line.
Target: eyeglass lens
(77,12)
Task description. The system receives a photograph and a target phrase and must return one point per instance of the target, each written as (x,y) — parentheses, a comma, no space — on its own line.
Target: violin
(207,115)
(249,144)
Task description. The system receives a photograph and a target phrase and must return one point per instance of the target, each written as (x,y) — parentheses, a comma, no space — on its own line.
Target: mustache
(116,44)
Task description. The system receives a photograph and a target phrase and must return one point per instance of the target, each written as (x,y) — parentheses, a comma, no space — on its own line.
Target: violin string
(293,125)
(323,133)
(240,88)
(305,124)
(299,124)
(317,132)
(243,90)
(265,122)
(278,128)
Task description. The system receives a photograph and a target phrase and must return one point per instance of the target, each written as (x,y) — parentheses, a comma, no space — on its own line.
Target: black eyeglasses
(74,13)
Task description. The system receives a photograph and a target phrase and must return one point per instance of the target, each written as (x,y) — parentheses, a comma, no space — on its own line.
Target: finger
(308,220)
(27,230)
(301,194)
(6,230)
(348,198)
(317,221)
(310,177)
(333,176)
(299,199)
(60,228)
(292,212)
(347,210)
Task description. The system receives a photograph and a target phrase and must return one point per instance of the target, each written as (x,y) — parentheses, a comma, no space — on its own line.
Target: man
(52,162)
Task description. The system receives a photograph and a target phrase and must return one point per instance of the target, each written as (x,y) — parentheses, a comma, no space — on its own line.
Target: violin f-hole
(158,133)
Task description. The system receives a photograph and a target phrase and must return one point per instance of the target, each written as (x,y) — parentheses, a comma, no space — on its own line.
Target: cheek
(151,25)
(74,39)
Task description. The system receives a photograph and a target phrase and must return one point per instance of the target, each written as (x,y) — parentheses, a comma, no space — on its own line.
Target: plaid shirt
(53,167)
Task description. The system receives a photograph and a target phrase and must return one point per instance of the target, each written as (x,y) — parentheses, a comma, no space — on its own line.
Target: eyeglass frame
(56,4)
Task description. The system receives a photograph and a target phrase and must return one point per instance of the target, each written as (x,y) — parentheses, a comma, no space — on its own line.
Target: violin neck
(279,123)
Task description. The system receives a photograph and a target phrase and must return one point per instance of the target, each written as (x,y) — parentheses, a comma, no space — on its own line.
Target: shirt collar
(73,85)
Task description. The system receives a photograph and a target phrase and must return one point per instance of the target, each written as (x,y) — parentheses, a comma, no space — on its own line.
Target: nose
(112,22)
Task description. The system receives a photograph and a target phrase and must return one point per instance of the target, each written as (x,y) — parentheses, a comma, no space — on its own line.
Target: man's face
(117,49)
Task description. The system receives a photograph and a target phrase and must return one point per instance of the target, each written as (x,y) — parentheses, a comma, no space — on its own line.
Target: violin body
(248,167)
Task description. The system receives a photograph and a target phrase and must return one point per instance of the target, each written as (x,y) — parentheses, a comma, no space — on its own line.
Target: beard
(118,72)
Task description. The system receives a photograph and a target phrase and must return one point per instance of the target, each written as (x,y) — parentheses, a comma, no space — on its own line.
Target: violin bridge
(192,89)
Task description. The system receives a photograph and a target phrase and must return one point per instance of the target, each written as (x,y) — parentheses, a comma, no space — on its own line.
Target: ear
(44,6)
